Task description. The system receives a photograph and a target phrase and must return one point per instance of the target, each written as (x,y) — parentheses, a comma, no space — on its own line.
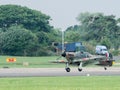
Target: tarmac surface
(57,72)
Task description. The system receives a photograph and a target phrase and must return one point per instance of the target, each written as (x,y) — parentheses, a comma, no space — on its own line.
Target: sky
(64,12)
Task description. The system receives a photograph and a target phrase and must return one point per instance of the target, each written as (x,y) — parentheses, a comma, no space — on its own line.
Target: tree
(74,33)
(17,41)
(98,27)
(106,42)
(72,36)
(30,19)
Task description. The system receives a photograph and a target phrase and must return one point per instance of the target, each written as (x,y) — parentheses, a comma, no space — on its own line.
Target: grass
(61,83)
(33,62)
(53,83)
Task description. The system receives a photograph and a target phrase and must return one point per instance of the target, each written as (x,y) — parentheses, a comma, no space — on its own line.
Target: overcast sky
(64,12)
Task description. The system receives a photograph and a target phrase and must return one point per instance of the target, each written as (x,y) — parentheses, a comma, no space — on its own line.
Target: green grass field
(61,83)
(33,62)
(53,83)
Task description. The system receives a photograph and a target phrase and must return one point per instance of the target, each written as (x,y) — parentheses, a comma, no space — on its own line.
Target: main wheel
(79,69)
(67,69)
(105,68)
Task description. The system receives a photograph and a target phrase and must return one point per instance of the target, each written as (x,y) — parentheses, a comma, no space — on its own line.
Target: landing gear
(105,68)
(80,67)
(67,67)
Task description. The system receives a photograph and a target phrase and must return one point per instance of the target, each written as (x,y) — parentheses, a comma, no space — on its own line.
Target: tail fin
(107,56)
(109,59)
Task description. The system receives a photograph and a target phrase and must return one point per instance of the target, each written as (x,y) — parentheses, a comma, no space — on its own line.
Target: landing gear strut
(80,67)
(67,67)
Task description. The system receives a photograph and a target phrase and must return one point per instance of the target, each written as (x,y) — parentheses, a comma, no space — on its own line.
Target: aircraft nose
(63,54)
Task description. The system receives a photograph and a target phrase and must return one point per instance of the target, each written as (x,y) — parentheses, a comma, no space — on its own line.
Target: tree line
(95,29)
(27,32)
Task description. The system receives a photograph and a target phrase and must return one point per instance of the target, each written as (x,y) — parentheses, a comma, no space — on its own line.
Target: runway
(57,72)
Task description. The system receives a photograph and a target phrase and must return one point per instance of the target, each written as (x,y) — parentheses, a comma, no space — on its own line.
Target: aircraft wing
(59,61)
(91,58)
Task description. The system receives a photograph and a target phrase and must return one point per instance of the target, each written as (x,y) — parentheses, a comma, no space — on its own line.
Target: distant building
(70,47)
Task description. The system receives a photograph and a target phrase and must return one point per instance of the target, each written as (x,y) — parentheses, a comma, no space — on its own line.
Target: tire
(67,69)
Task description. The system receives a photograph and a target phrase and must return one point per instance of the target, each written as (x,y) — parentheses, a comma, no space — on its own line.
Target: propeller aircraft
(75,53)
(84,58)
